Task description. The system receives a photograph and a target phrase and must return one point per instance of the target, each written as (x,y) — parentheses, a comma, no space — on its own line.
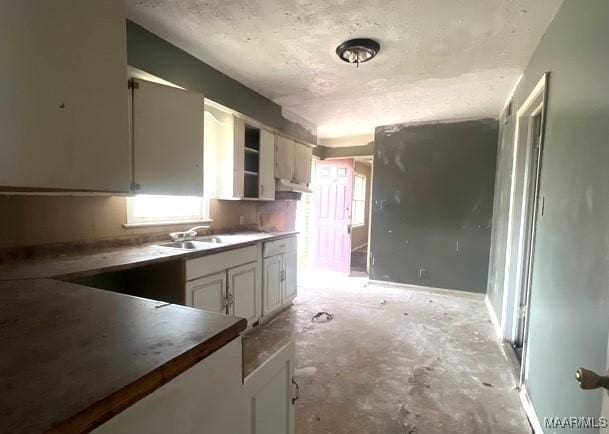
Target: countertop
(72,266)
(73,356)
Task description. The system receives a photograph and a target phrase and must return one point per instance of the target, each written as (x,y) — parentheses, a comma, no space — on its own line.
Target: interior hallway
(393,361)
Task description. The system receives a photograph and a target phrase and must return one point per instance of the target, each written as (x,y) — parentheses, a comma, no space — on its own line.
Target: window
(149,209)
(358,218)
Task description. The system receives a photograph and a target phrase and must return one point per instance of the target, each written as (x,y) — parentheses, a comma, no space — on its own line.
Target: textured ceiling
(439,59)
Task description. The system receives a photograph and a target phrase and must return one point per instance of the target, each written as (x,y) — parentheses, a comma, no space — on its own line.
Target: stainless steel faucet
(188,235)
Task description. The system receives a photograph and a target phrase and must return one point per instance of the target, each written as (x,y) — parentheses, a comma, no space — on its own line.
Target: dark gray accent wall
(150,53)
(432,199)
(569,306)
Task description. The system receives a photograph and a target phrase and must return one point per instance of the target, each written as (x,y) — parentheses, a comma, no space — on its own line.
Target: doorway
(533,124)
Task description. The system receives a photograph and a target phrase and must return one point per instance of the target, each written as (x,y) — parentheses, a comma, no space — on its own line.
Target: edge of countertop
(105,409)
(169,254)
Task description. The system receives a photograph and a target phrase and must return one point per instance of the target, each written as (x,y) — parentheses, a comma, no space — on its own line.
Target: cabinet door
(207,293)
(167,140)
(302,164)
(242,282)
(63,104)
(284,158)
(271,391)
(272,284)
(290,267)
(266,175)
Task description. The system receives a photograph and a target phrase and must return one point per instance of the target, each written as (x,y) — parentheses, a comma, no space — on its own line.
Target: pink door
(333,195)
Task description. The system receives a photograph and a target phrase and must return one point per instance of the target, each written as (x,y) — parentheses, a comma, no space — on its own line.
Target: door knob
(589,380)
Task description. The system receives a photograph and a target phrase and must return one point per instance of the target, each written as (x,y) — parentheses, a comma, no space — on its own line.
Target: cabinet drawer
(211,264)
(277,247)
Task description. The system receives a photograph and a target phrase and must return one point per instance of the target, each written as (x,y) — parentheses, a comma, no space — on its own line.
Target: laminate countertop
(77,265)
(73,356)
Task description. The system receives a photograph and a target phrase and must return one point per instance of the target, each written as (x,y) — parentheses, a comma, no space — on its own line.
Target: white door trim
(510,285)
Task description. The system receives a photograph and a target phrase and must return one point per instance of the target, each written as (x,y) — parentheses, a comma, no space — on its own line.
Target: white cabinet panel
(290,267)
(282,245)
(266,177)
(284,158)
(272,281)
(167,140)
(302,163)
(208,293)
(63,104)
(207,398)
(242,283)
(210,264)
(272,394)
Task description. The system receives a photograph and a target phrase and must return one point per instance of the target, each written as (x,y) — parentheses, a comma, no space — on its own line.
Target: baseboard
(427,289)
(530,411)
(353,249)
(494,320)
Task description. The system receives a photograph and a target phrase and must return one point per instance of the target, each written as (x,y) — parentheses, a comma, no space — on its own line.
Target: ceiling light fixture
(358,50)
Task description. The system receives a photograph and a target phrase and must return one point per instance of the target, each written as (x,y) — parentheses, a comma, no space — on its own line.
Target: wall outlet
(241,219)
(423,273)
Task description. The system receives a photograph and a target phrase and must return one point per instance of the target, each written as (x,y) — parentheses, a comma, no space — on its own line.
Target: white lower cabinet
(208,293)
(271,394)
(279,280)
(290,265)
(242,283)
(212,398)
(230,283)
(272,284)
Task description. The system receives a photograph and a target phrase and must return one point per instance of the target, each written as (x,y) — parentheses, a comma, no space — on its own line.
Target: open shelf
(253,151)
(250,173)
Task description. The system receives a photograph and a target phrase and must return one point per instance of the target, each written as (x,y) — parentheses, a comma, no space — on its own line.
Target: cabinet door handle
(297,391)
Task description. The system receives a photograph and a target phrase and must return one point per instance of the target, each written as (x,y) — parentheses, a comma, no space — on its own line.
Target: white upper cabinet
(63,105)
(302,163)
(284,158)
(239,157)
(266,180)
(292,161)
(168,140)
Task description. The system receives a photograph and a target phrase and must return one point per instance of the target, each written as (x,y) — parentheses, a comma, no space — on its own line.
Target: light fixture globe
(358,50)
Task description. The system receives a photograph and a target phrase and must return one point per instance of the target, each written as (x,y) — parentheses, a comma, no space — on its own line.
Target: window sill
(165,223)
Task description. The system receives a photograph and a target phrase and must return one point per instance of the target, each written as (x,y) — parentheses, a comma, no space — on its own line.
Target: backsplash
(34,225)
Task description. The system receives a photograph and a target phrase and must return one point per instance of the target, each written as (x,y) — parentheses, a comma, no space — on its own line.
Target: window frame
(202,216)
(355,200)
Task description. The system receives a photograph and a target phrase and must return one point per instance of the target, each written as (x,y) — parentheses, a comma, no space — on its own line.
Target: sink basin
(188,245)
(214,240)
(226,239)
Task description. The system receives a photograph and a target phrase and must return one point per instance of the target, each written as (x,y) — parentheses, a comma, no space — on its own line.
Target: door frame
(521,224)
(517,216)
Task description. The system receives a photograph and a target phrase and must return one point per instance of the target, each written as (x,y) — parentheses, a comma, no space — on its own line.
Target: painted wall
(150,53)
(41,220)
(569,306)
(359,234)
(432,203)
(501,206)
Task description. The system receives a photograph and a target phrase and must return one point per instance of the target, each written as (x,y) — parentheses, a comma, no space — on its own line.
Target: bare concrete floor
(393,361)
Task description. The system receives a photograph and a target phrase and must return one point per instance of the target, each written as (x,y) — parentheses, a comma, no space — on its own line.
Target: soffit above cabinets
(440,59)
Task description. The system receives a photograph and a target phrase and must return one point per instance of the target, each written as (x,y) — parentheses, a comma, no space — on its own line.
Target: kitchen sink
(188,245)
(214,240)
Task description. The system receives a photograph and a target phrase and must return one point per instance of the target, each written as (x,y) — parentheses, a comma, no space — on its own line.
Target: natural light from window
(358,217)
(144,209)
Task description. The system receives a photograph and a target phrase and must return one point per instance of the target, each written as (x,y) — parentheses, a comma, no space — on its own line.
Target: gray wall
(433,190)
(501,205)
(150,53)
(569,308)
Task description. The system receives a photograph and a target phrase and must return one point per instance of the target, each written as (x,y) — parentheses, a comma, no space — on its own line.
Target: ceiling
(439,59)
